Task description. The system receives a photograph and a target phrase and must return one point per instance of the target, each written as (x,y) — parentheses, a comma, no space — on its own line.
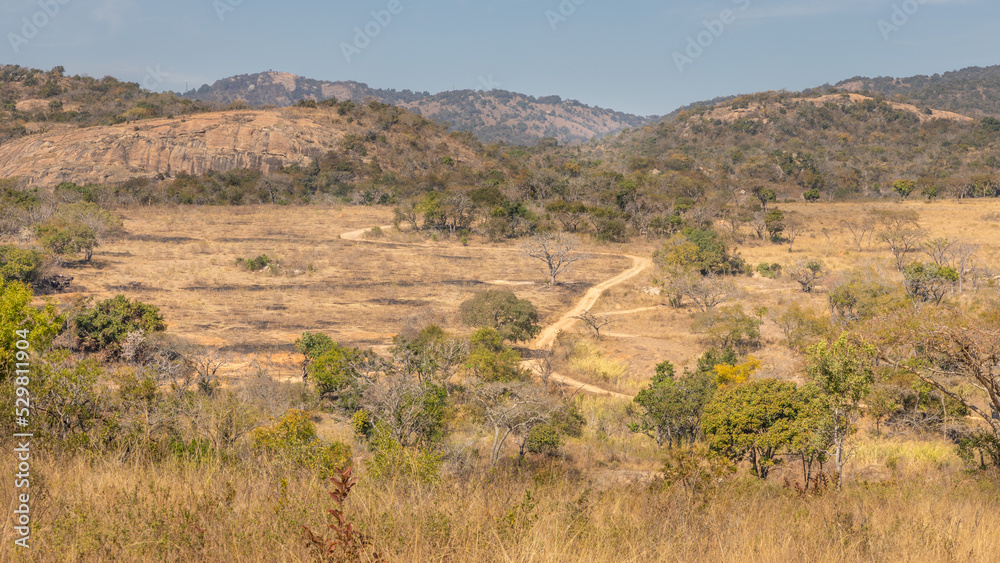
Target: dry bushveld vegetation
(604,496)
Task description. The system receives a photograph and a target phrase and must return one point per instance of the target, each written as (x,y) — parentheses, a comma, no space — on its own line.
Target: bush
(730,327)
(543,439)
(390,459)
(106,326)
(259,263)
(18,317)
(293,438)
(490,359)
(771,271)
(19,264)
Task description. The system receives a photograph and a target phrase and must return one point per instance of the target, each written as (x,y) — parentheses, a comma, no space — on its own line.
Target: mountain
(495,115)
(973,90)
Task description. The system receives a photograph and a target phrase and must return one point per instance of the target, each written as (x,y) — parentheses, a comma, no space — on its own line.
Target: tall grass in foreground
(924,508)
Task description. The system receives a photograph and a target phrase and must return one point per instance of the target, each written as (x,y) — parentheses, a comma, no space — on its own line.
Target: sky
(637,56)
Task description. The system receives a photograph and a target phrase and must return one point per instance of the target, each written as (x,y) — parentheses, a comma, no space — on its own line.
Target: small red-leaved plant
(348,543)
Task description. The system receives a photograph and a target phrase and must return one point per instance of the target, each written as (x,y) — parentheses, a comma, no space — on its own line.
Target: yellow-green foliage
(726,374)
(587,359)
(293,438)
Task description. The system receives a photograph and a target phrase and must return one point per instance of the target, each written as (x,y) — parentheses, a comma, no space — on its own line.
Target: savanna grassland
(607,494)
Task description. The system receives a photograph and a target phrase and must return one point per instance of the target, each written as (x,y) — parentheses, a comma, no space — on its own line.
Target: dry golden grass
(906,500)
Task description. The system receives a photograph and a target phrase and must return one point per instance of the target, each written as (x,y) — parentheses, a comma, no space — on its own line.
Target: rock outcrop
(266,140)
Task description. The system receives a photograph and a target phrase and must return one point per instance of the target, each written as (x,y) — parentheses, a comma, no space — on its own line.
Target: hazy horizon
(647,58)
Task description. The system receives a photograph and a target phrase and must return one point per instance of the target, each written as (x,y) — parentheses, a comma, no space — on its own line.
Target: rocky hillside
(496,115)
(973,90)
(389,139)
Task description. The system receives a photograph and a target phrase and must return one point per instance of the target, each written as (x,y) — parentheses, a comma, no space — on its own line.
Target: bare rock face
(266,139)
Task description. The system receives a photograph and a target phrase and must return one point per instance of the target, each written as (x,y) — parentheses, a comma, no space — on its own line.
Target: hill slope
(382,137)
(973,90)
(496,115)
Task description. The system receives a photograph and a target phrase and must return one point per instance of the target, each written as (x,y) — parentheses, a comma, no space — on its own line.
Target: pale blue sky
(624,55)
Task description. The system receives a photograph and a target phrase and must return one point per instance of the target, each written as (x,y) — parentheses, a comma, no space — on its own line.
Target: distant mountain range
(494,115)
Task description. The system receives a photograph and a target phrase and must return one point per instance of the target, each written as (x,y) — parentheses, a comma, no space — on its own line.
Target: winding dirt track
(547,337)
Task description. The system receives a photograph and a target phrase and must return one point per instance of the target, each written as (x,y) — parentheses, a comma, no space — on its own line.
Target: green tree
(843,371)
(755,421)
(764,196)
(669,410)
(312,345)
(774,222)
(904,187)
(515,319)
(336,371)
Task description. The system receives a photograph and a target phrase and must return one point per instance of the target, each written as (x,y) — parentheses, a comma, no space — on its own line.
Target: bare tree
(555,250)
(859,229)
(595,322)
(511,408)
(806,273)
(705,291)
(902,242)
(206,364)
(964,257)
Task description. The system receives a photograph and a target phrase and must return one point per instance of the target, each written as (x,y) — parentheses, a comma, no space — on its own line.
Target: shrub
(490,359)
(391,459)
(259,263)
(543,439)
(730,327)
(293,438)
(20,321)
(771,271)
(20,264)
(106,326)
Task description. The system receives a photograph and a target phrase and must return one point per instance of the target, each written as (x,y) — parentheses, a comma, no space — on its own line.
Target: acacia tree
(844,374)
(555,250)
